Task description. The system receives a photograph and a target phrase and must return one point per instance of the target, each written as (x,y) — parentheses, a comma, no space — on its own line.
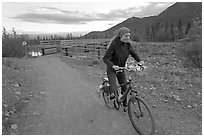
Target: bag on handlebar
(106,89)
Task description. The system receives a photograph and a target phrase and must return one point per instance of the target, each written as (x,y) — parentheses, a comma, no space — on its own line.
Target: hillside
(185,11)
(180,11)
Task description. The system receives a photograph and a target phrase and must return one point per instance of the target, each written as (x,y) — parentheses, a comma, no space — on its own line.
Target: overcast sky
(52,17)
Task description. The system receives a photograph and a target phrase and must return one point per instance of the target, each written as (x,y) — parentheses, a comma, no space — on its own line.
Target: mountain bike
(139,112)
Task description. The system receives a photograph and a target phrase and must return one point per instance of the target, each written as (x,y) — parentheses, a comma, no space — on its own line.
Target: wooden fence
(81,48)
(84,48)
(50,46)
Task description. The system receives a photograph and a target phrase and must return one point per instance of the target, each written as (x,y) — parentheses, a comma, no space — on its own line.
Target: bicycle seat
(105,79)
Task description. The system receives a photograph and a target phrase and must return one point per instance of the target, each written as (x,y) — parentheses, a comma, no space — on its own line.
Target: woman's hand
(115,67)
(140,63)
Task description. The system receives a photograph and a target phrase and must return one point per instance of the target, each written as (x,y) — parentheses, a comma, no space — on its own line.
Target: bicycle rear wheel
(140,116)
(107,100)
(116,104)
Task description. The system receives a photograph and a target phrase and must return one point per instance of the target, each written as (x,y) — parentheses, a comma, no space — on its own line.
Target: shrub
(193,51)
(194,54)
(12,45)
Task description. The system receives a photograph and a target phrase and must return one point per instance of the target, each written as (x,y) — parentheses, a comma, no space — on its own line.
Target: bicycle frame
(136,107)
(128,90)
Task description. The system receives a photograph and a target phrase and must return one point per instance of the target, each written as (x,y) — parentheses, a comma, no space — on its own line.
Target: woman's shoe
(112,96)
(125,108)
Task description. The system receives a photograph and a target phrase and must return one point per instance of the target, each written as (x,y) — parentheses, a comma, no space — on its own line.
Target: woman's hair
(121,31)
(118,34)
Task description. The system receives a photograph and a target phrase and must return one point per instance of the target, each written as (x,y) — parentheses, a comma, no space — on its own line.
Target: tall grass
(193,50)
(12,45)
(193,53)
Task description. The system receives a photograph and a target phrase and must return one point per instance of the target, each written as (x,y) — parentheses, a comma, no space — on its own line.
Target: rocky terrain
(171,85)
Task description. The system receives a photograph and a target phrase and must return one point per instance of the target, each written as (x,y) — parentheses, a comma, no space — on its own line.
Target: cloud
(149,9)
(55,15)
(53,9)
(53,18)
(153,9)
(64,17)
(59,16)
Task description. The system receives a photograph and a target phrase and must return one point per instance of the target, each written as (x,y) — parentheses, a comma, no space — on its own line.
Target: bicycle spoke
(107,100)
(140,117)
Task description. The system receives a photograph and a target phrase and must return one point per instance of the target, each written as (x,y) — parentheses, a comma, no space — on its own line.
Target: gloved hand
(140,63)
(115,67)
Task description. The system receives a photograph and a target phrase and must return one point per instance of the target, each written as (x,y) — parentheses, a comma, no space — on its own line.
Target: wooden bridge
(83,47)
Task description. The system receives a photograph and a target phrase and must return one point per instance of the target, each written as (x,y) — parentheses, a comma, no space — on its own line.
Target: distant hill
(148,28)
(185,11)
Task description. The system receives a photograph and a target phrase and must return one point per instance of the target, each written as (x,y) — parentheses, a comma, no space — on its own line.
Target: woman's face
(125,38)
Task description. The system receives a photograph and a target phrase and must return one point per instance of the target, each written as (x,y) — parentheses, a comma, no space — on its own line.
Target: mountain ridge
(184,11)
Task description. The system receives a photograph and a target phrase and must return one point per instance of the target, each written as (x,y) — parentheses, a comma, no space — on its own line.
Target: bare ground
(57,95)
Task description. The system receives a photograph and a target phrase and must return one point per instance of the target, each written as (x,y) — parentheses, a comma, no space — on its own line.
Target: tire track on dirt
(72,106)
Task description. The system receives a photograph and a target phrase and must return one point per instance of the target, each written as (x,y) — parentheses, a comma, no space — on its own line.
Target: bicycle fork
(141,114)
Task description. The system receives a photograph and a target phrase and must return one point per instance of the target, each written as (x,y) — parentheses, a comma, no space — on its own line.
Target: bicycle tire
(116,104)
(143,127)
(106,98)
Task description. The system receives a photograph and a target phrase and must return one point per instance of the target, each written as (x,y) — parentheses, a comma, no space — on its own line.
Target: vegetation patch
(20,87)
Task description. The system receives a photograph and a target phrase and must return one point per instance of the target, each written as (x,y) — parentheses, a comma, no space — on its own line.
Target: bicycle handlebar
(134,69)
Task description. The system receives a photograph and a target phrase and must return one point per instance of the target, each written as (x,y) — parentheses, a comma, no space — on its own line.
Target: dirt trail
(71,106)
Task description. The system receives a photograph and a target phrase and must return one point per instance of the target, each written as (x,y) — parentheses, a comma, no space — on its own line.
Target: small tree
(180,27)
(188,27)
(12,44)
(152,32)
(172,31)
(14,33)
(166,26)
(147,32)
(194,51)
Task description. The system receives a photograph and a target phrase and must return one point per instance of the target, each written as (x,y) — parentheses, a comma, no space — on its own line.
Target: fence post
(66,49)
(24,43)
(43,51)
(26,52)
(76,49)
(85,48)
(99,53)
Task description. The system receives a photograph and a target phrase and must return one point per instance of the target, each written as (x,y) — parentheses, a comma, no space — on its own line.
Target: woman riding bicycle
(116,56)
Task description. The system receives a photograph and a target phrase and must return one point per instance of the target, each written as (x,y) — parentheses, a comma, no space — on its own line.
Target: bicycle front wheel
(107,100)
(140,116)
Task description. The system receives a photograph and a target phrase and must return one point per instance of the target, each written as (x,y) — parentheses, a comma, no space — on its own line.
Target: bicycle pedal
(112,97)
(125,109)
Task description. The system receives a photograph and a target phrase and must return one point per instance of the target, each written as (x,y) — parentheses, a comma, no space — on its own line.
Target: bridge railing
(81,48)
(84,49)
(50,46)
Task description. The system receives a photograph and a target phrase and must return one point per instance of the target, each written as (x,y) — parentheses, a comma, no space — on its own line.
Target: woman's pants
(121,77)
